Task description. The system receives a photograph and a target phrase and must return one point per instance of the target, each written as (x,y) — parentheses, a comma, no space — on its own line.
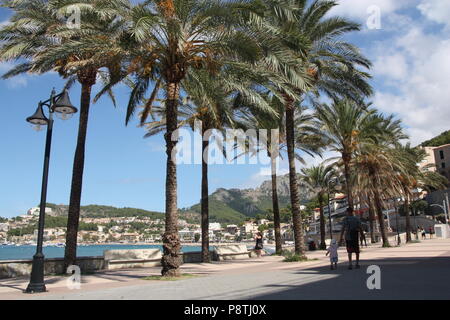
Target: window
(441,154)
(443,165)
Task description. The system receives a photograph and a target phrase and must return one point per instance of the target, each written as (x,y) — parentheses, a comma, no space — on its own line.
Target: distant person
(333,252)
(424,234)
(431,232)
(259,244)
(351,227)
(363,239)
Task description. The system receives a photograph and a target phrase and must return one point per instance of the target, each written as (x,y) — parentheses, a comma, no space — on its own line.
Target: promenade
(414,271)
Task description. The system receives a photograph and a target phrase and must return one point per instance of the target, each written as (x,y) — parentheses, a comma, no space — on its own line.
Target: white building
(4,227)
(215,226)
(36,210)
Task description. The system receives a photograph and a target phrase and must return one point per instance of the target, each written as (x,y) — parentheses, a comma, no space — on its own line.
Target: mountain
(99,211)
(237,205)
(443,138)
(225,205)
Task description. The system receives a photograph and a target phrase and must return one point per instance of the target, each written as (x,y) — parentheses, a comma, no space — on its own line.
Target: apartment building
(439,158)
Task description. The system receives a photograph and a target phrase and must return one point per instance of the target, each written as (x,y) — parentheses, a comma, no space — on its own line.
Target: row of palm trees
(261,64)
(374,164)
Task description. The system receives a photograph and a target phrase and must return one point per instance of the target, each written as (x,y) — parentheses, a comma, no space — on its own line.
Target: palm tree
(208,101)
(413,176)
(348,126)
(38,34)
(317,179)
(376,165)
(309,140)
(313,61)
(176,37)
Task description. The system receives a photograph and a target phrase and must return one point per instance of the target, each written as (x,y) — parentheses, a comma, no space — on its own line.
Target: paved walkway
(414,271)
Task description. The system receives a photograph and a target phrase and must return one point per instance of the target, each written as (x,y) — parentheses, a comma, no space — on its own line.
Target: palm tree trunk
(407,218)
(322,245)
(276,207)
(87,80)
(379,208)
(293,182)
(371,218)
(205,201)
(348,184)
(171,259)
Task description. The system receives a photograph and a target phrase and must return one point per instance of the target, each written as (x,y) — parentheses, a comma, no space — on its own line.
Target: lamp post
(443,207)
(59,103)
(399,240)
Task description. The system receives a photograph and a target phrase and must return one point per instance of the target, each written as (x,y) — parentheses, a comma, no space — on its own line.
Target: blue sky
(411,77)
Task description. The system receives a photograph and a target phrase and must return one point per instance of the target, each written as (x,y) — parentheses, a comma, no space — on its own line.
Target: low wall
(134,258)
(19,268)
(231,252)
(196,257)
(120,259)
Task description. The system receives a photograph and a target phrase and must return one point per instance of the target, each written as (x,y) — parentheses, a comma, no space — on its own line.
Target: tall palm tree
(413,176)
(348,125)
(176,37)
(317,179)
(317,62)
(208,101)
(309,140)
(376,165)
(39,34)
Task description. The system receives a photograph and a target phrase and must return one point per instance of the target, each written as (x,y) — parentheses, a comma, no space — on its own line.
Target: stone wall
(231,252)
(135,258)
(119,259)
(19,268)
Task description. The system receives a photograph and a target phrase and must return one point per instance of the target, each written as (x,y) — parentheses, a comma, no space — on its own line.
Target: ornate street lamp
(61,105)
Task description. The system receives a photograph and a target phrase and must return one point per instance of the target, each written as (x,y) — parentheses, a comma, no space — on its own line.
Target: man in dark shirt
(351,226)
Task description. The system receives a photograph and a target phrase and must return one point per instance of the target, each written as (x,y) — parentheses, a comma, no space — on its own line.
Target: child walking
(333,252)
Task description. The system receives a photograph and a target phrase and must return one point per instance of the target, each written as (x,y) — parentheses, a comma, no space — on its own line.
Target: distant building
(4,227)
(439,158)
(36,210)
(215,226)
(232,229)
(248,228)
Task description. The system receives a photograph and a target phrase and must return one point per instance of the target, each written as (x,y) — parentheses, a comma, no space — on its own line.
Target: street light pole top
(38,119)
(60,104)
(63,106)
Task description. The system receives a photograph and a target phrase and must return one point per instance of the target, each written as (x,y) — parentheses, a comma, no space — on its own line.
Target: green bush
(292,257)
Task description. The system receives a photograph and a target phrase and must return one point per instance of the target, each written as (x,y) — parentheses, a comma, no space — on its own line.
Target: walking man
(351,226)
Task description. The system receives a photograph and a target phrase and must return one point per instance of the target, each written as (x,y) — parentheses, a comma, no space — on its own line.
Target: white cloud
(4,23)
(416,67)
(358,8)
(436,10)
(393,66)
(14,82)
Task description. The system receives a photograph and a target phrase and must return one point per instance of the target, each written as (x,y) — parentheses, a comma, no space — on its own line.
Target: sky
(410,50)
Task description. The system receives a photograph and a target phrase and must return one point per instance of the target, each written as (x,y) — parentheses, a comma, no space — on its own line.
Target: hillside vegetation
(443,138)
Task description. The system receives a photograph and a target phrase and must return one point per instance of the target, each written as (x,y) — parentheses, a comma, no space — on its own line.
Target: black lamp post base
(37,284)
(36,288)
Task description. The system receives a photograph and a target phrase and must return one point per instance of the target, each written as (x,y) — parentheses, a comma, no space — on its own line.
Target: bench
(134,258)
(231,252)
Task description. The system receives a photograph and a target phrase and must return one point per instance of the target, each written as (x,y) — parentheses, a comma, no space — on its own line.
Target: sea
(27,252)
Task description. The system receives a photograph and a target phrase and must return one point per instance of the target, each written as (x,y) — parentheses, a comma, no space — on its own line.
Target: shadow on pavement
(408,278)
